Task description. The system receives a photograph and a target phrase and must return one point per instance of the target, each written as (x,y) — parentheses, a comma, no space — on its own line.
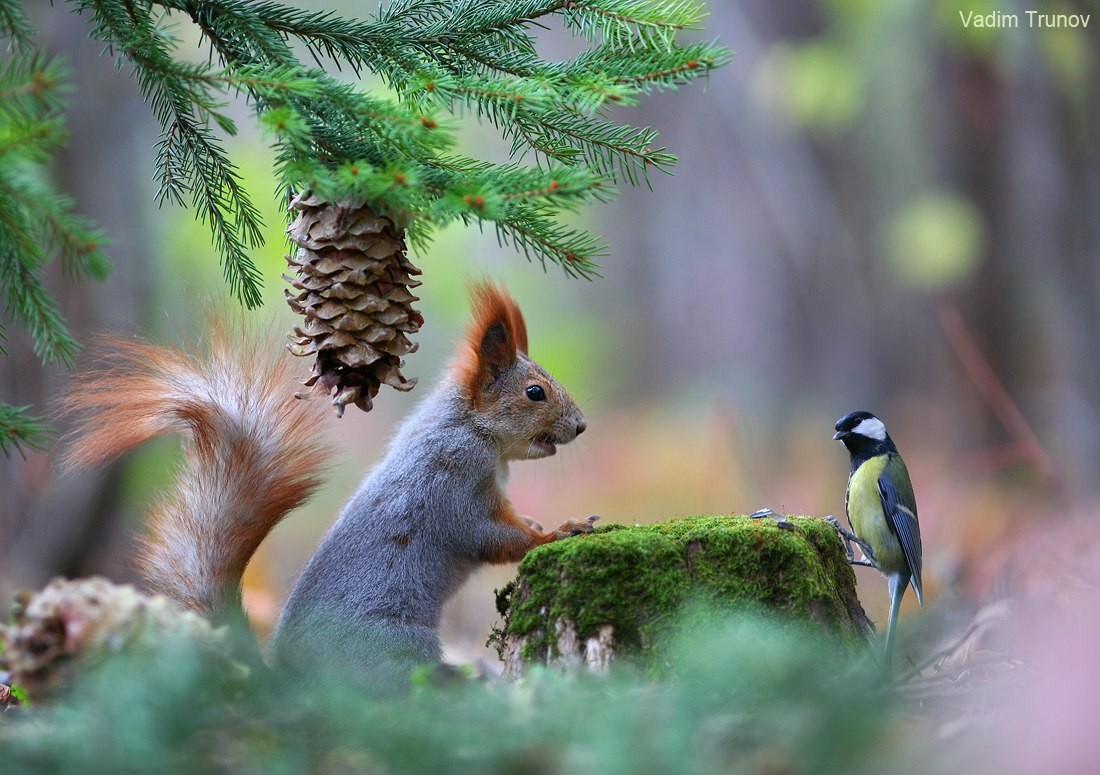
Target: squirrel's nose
(581,425)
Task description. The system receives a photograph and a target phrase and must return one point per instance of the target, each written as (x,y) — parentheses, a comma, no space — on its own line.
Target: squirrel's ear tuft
(495,334)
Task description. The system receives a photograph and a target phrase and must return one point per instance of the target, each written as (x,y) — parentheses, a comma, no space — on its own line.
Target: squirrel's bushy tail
(251,454)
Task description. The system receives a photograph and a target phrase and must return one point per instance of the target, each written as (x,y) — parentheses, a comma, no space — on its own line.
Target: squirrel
(366,608)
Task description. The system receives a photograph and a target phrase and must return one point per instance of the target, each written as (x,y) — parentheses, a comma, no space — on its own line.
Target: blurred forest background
(875,208)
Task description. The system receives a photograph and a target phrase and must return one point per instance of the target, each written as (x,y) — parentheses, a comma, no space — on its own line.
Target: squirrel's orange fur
(367,606)
(492,309)
(252,454)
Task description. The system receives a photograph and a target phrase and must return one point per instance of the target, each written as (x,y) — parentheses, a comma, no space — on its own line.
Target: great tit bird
(882,510)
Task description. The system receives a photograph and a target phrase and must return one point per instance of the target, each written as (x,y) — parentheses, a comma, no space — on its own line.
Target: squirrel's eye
(536,393)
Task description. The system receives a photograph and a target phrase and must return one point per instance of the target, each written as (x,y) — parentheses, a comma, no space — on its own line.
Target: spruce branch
(649,69)
(191,163)
(543,239)
(14,25)
(29,303)
(76,239)
(37,223)
(31,85)
(33,140)
(17,235)
(20,431)
(441,57)
(610,149)
(392,153)
(632,23)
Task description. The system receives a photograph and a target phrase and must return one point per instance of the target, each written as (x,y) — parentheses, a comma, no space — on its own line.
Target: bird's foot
(868,556)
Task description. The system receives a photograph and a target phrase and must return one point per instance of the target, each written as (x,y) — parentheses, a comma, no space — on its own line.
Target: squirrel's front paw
(577,526)
(537,526)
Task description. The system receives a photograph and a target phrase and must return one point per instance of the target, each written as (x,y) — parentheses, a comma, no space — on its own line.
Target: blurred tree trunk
(768,244)
(1027,159)
(772,246)
(68,525)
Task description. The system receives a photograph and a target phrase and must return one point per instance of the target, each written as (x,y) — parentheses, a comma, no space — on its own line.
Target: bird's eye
(536,393)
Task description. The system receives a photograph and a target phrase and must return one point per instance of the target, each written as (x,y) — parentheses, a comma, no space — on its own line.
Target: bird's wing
(900,507)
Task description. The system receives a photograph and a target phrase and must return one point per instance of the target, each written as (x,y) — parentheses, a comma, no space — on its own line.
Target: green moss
(639,579)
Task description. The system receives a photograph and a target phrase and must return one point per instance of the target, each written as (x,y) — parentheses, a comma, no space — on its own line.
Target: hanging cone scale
(352,285)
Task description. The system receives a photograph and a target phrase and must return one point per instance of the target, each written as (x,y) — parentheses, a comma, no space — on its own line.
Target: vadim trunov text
(1031,19)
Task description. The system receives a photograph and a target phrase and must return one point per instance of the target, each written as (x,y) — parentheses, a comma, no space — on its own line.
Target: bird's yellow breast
(867,518)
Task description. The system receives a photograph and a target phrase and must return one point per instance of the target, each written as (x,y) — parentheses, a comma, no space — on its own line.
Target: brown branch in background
(1025,447)
(1001,456)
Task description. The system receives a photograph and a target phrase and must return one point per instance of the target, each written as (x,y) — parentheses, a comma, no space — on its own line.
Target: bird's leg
(849,538)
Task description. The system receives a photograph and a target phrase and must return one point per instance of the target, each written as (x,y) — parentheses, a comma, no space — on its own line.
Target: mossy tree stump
(619,591)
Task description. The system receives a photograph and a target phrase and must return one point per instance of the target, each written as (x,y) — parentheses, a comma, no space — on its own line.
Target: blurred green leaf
(817,84)
(971,38)
(1071,59)
(935,241)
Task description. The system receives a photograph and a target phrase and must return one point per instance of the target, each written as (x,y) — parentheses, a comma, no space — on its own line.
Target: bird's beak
(839,435)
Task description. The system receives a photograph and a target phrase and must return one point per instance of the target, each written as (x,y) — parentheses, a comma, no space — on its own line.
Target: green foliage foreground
(744,696)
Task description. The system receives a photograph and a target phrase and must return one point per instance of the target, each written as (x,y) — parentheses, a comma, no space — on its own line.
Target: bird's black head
(863,434)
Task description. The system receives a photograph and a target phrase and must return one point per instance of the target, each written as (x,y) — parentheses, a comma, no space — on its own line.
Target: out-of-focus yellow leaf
(972,37)
(935,241)
(1071,58)
(816,84)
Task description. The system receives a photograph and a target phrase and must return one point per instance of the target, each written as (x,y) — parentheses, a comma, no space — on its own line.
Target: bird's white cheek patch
(872,428)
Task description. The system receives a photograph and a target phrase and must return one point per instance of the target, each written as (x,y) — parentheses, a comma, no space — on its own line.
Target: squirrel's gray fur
(366,608)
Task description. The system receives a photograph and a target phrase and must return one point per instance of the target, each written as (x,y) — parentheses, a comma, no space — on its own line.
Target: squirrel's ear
(496,333)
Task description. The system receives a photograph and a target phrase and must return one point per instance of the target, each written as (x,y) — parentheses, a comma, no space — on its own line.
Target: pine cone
(352,283)
(77,623)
